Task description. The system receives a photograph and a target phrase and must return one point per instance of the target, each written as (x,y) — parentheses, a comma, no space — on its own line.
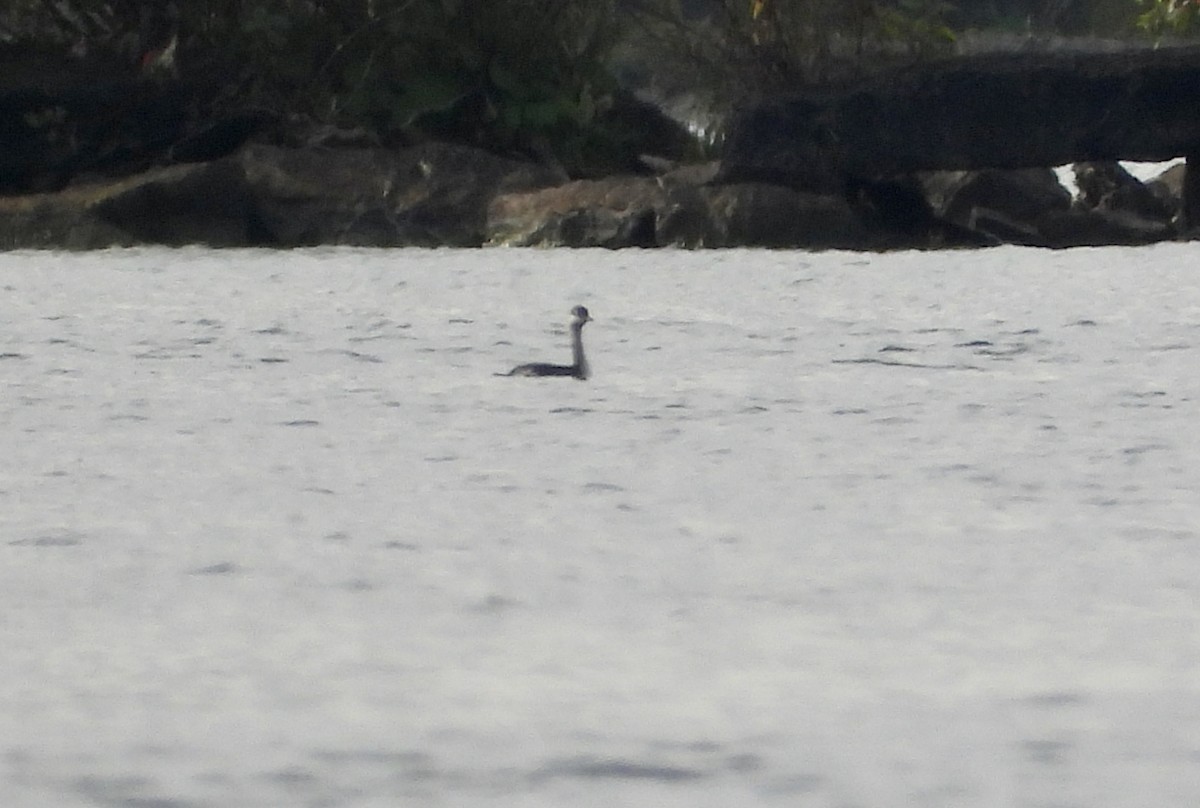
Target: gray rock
(434,194)
(429,195)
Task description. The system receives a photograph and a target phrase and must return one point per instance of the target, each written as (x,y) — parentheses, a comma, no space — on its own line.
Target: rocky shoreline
(124,167)
(440,194)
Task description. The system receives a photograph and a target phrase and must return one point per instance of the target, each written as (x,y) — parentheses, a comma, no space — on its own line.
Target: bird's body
(544,369)
(578,369)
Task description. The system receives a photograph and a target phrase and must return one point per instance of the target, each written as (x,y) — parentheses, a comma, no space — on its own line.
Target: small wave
(221,568)
(616,768)
(870,360)
(66,539)
(598,487)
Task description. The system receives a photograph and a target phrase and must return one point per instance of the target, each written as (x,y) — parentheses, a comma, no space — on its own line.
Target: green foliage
(1168,16)
(917,25)
(527,76)
(507,74)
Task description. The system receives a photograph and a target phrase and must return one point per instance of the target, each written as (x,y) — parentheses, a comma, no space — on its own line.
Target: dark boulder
(1022,194)
(1081,228)
(203,203)
(1167,187)
(999,206)
(762,215)
(1108,186)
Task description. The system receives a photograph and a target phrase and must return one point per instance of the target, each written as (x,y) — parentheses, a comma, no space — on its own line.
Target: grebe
(578,369)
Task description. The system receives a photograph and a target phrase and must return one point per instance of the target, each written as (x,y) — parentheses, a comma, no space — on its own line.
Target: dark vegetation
(546,79)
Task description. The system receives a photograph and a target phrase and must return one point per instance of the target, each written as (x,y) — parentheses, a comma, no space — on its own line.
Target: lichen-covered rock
(613,212)
(660,212)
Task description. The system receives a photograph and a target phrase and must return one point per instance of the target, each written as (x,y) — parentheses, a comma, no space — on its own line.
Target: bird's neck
(579,360)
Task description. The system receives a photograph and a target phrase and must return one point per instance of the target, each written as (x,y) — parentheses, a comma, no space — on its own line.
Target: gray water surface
(916,529)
